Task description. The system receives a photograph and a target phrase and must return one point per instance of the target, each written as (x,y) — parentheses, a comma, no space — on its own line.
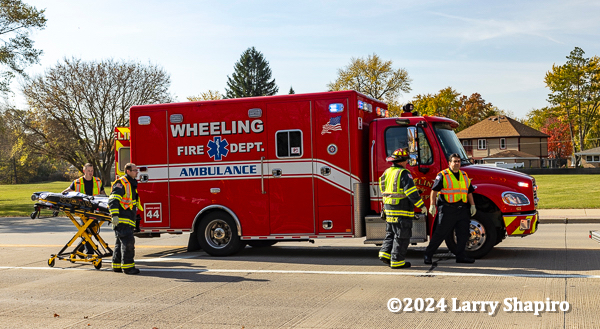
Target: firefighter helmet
(398,155)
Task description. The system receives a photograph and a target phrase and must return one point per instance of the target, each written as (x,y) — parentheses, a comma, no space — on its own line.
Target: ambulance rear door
(149,152)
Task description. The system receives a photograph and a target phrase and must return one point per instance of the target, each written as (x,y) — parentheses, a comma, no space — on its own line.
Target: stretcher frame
(88,226)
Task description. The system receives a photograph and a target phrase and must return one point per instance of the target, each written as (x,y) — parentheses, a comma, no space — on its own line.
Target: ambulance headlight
(515,199)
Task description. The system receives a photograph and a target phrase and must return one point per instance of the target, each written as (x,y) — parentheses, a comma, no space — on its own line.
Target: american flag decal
(333,124)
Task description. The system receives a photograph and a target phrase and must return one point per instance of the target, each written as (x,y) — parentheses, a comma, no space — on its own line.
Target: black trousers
(449,217)
(397,239)
(124,247)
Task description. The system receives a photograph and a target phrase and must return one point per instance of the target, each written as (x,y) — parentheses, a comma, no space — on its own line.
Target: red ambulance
(260,170)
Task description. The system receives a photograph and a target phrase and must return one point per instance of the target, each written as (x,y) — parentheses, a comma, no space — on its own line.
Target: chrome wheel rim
(218,234)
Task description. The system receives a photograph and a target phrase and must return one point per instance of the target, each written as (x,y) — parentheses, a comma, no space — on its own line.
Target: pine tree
(251,77)
(292,91)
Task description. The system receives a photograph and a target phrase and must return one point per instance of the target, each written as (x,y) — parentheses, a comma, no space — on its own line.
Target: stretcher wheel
(98,264)
(51,262)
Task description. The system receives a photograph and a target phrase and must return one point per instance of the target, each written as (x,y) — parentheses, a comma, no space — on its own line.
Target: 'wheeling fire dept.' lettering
(218,171)
(217,128)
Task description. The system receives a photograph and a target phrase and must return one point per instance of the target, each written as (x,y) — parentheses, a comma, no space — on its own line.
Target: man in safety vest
(400,197)
(455,193)
(87,184)
(123,203)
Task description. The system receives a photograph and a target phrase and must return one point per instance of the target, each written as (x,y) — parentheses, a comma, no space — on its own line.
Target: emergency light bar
(336,107)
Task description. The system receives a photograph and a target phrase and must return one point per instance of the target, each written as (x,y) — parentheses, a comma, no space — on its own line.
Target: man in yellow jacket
(400,197)
(123,203)
(89,185)
(453,194)
(86,184)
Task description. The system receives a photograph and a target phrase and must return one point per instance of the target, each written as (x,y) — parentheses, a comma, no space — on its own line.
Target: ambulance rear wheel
(217,234)
(482,238)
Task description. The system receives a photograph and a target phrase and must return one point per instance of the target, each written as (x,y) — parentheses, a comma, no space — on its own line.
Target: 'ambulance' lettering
(217,128)
(218,171)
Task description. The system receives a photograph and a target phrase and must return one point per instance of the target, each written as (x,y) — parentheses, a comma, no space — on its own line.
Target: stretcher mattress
(72,201)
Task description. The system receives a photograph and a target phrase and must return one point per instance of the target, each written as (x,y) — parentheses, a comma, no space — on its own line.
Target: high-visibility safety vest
(127,201)
(390,187)
(80,186)
(455,190)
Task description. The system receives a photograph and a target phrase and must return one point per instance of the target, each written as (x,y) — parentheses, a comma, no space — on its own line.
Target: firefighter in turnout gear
(453,192)
(400,197)
(123,203)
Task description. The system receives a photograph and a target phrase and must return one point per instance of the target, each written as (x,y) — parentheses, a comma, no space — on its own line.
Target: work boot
(465,260)
(132,270)
(427,259)
(386,261)
(118,270)
(406,265)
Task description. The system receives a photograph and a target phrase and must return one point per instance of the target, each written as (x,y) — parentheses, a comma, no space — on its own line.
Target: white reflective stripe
(293,168)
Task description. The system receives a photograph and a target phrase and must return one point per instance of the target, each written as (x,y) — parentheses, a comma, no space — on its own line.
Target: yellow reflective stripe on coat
(389,185)
(405,213)
(127,221)
(419,203)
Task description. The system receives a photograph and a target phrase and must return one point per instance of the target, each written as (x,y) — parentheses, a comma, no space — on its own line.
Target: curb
(569,221)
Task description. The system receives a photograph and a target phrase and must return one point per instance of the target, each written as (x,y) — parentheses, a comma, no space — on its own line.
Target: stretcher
(91,213)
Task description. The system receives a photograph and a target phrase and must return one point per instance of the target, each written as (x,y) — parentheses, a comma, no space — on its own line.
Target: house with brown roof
(500,139)
(590,158)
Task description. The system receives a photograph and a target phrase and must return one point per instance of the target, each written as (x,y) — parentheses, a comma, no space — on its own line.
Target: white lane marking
(163,259)
(404,273)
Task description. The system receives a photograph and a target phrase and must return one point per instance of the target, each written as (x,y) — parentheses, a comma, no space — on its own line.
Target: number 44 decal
(155,214)
(152,212)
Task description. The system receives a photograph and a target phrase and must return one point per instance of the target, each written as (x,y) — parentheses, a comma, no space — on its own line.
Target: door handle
(276,172)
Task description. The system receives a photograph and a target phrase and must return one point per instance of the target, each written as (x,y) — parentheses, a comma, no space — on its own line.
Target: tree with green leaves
(75,106)
(575,95)
(17,20)
(449,103)
(251,77)
(292,92)
(374,77)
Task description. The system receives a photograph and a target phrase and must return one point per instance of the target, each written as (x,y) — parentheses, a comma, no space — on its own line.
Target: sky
(499,49)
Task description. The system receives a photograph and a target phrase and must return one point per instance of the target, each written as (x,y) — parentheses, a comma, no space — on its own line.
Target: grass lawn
(568,191)
(15,200)
(554,191)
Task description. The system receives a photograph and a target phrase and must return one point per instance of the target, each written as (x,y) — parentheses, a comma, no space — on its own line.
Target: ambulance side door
(149,152)
(332,166)
(290,168)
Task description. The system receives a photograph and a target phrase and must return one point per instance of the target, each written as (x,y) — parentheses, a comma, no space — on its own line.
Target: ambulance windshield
(450,143)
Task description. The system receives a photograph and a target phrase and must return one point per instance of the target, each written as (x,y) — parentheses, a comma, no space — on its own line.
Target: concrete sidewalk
(569,215)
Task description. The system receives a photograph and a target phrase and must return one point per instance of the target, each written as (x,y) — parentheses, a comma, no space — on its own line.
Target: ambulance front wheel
(217,234)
